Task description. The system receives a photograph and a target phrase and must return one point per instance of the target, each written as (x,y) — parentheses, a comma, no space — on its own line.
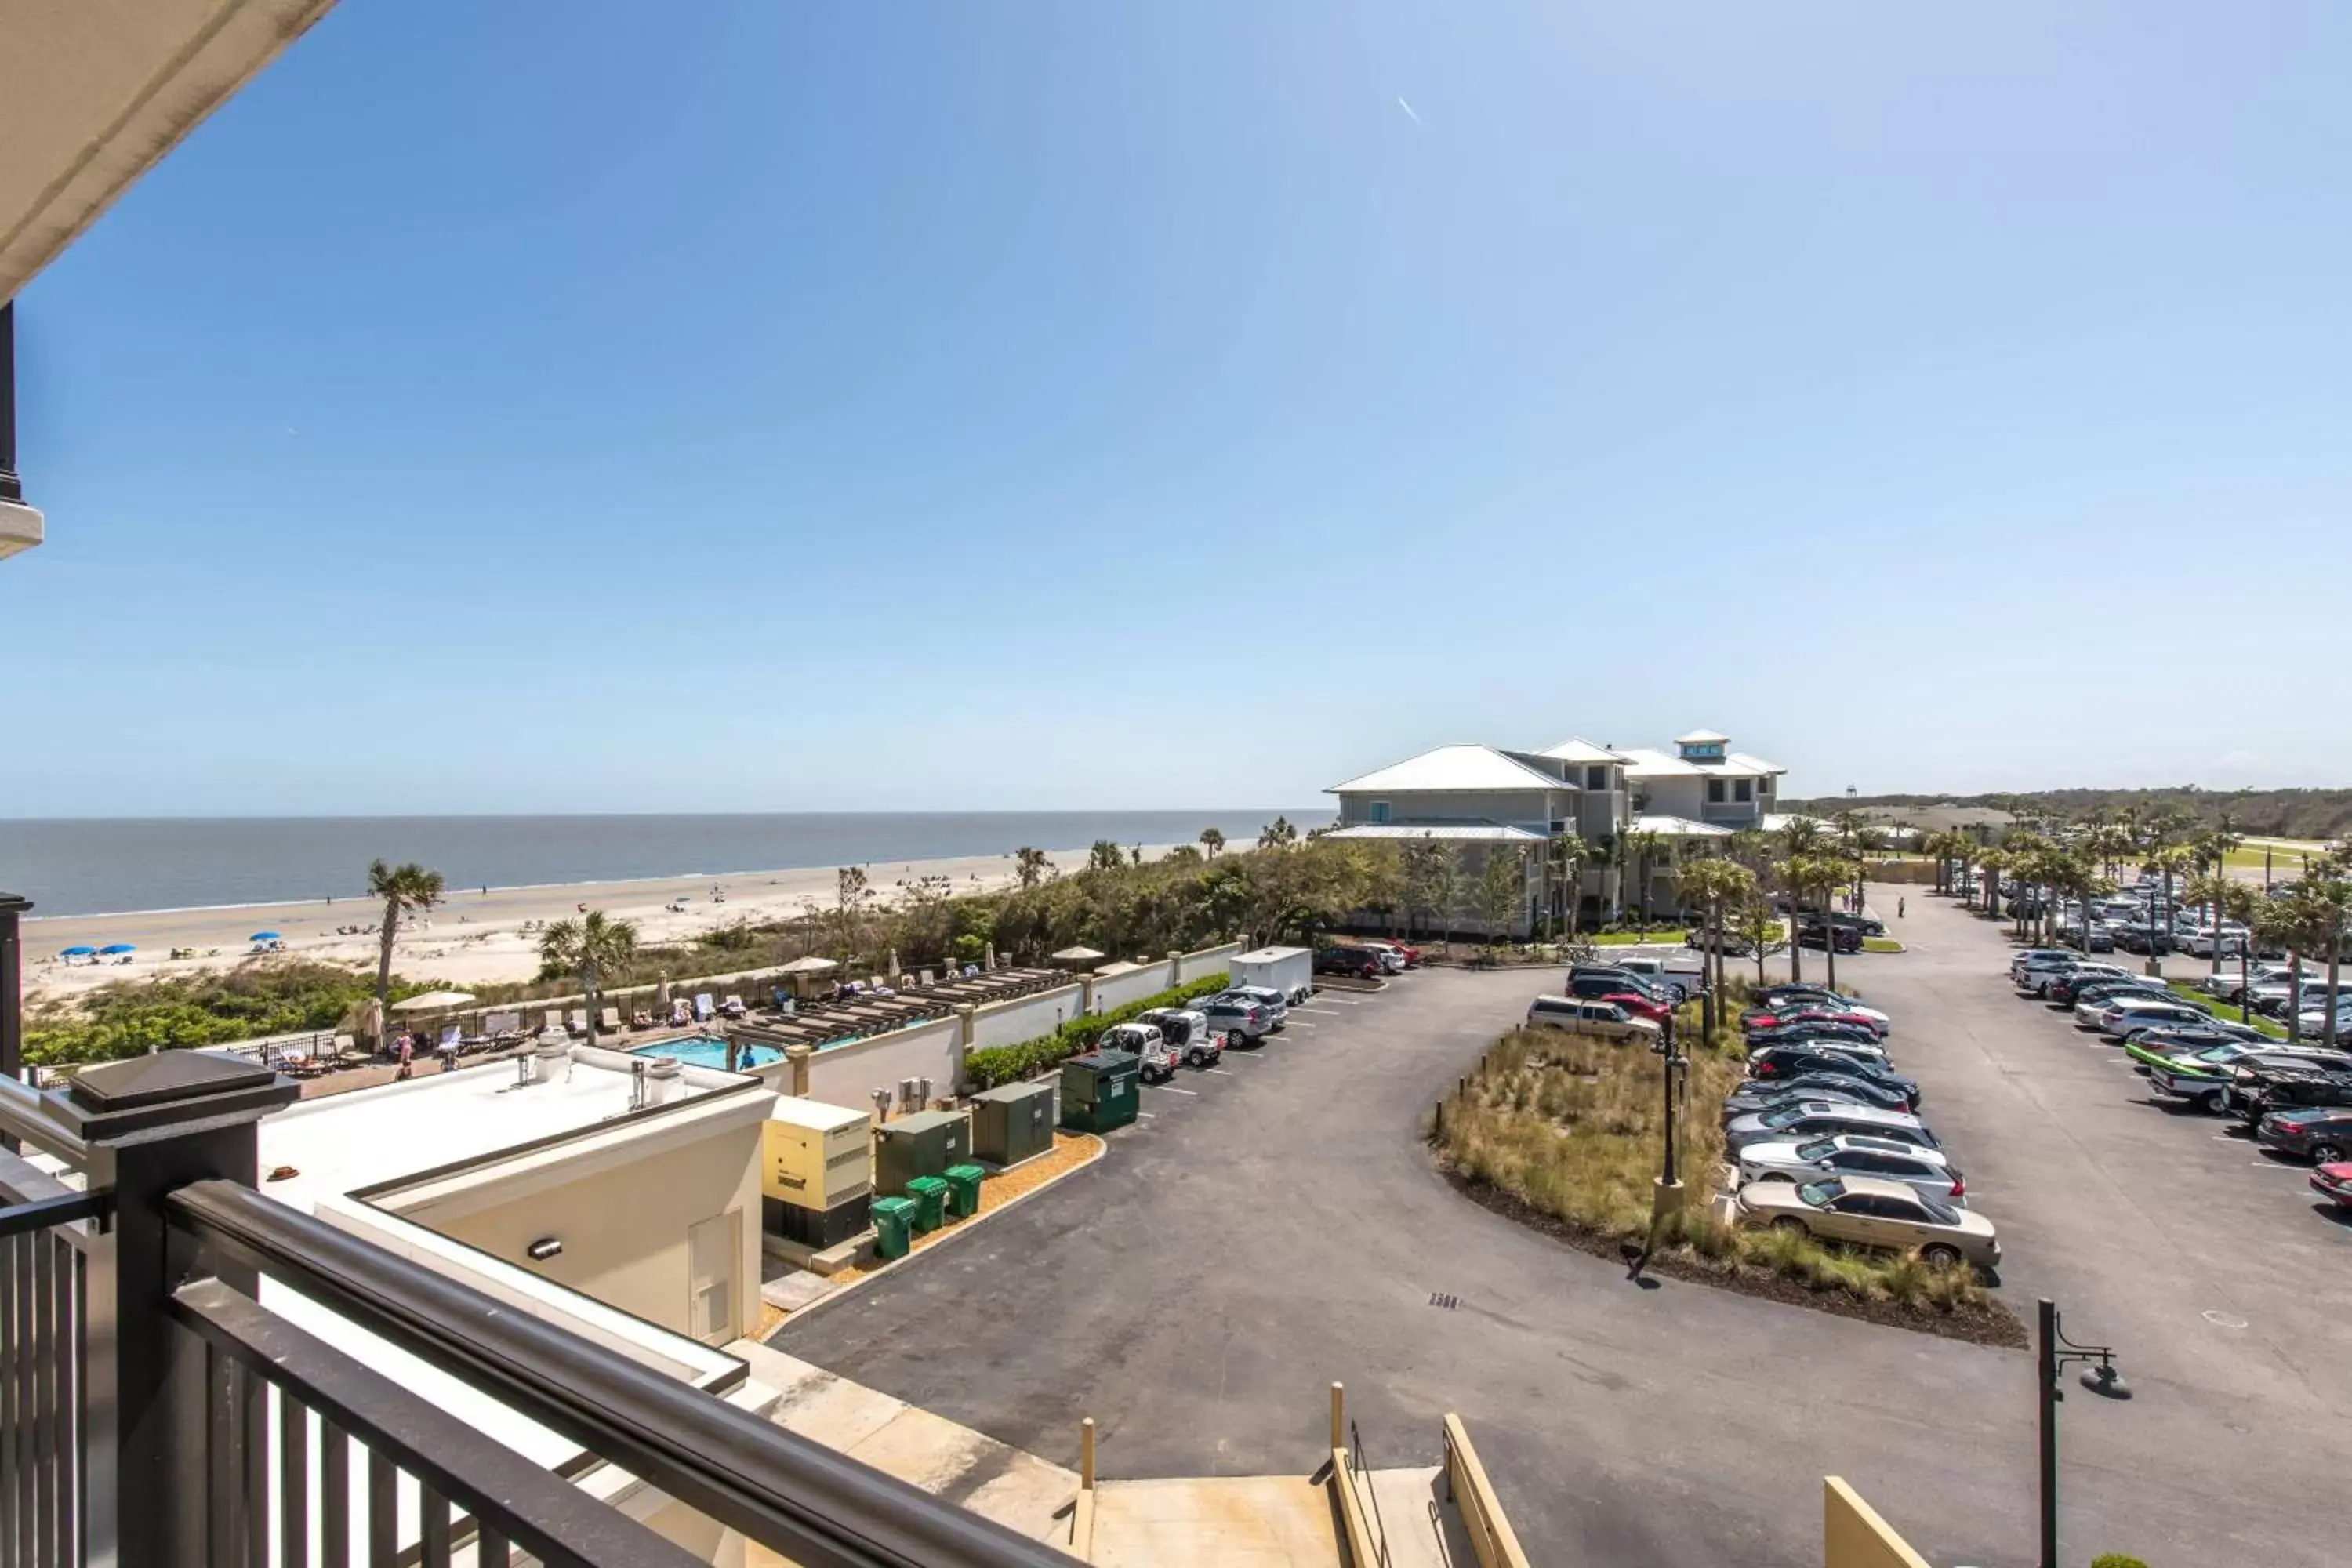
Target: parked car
(2023,963)
(1824,1118)
(2200,943)
(1868,925)
(1639,1005)
(1820,996)
(1822,1029)
(1787,1061)
(2118,1018)
(2209,1077)
(1848,940)
(1731,945)
(1862,1212)
(1756,1095)
(1188,1032)
(2198,1037)
(1392,957)
(1848,1154)
(1596,983)
(2097,937)
(1596,1020)
(1351,961)
(2081,985)
(1682,984)
(2261,1083)
(2334,1182)
(2225,984)
(1276,1005)
(1243,1023)
(2323,1133)
(1155,1058)
(1768,1018)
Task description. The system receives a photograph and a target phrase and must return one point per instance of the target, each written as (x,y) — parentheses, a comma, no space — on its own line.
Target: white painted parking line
(1145,1114)
(1170,1088)
(1303,1024)
(1297,1010)
(1241,1056)
(1226,1071)
(1342,1001)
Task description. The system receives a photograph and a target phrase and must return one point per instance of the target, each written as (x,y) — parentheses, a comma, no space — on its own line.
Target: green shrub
(2117,1560)
(995,1065)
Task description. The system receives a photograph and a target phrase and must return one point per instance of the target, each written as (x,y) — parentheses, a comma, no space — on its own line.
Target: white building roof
(1577,749)
(1677,827)
(1448,769)
(1460,832)
(1648,762)
(1701,738)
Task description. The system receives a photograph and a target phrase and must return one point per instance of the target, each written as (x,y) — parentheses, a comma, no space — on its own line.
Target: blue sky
(533,407)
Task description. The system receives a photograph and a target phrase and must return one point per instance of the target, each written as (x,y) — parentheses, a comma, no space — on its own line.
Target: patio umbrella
(990,963)
(114,947)
(433,1002)
(1076,955)
(661,996)
(265,936)
(75,952)
(894,965)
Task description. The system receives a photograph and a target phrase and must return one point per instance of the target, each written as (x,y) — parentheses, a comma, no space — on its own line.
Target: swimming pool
(702,1051)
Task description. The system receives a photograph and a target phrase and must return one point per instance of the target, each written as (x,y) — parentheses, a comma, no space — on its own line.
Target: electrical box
(1012,1122)
(815,1155)
(924,1144)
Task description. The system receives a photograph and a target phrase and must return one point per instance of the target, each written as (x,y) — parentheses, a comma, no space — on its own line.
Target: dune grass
(1572,1128)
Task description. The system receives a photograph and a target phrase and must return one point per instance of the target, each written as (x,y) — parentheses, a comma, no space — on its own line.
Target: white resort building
(1637,810)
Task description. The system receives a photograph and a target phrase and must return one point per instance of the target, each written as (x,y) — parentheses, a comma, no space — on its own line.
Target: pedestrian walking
(1899,908)
(408,1052)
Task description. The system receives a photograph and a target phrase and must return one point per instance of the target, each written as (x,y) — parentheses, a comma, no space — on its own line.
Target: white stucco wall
(1134,985)
(1025,1017)
(1208,960)
(847,1075)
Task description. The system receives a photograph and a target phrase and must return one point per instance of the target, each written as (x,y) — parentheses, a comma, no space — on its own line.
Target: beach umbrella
(894,964)
(433,1002)
(1077,955)
(75,952)
(115,947)
(265,936)
(990,963)
(661,996)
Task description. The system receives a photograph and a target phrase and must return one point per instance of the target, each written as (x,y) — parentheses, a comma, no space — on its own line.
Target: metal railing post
(154,1124)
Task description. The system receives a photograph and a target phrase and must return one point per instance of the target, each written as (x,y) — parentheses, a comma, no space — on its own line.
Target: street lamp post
(1669,1193)
(2099,1375)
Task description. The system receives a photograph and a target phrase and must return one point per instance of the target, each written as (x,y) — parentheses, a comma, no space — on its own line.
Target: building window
(1763,787)
(1739,790)
(1715,791)
(1380,811)
(1597,776)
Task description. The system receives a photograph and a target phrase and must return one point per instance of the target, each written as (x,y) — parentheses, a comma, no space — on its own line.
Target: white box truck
(1289,970)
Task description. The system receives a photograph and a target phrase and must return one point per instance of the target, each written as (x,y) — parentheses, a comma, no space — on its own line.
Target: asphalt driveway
(1279,1225)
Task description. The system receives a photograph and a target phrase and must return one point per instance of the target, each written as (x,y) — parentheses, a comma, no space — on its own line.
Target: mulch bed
(1990,1324)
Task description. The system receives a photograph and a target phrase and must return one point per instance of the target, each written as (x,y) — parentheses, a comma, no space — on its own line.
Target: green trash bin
(963,1190)
(930,1198)
(894,1220)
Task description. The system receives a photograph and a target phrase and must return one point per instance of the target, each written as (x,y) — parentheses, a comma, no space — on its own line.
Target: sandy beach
(473,937)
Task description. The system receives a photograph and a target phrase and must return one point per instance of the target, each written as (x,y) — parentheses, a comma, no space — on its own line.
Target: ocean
(110,867)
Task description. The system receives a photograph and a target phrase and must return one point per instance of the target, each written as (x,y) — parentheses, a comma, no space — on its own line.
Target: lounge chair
(641,1019)
(702,1008)
(609,1020)
(579,1024)
(680,1013)
(733,1005)
(553,1021)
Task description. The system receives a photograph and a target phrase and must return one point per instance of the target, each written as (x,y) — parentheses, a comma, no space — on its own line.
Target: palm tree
(2328,893)
(2169,860)
(1759,927)
(1569,853)
(1823,875)
(1716,885)
(1643,849)
(2230,901)
(1212,841)
(1104,856)
(1279,834)
(594,947)
(405,889)
(1029,865)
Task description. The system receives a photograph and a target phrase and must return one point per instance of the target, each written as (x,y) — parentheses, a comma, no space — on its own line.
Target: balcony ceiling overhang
(93,94)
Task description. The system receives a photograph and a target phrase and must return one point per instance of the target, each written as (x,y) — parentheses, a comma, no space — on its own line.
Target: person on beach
(406,1049)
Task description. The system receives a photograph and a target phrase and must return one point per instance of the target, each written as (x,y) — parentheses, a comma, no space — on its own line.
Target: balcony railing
(137,1343)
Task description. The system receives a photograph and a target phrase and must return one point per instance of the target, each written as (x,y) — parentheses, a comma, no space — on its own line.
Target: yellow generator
(816,1172)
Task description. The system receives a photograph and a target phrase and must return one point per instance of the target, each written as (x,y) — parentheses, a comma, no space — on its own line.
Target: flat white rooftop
(341,1142)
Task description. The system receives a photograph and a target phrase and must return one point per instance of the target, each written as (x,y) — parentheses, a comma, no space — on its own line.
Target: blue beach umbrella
(115,947)
(263,936)
(75,952)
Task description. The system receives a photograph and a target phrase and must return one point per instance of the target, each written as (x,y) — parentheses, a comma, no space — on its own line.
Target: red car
(1638,1006)
(2334,1183)
(1762,1020)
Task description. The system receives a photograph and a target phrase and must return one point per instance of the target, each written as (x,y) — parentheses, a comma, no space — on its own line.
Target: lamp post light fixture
(1669,1193)
(2099,1375)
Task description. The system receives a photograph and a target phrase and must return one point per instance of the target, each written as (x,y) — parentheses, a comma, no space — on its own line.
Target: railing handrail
(530,1507)
(23,1117)
(820,1508)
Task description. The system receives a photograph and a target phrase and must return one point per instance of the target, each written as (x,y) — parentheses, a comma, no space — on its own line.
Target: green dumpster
(930,1198)
(963,1189)
(894,1219)
(1099,1090)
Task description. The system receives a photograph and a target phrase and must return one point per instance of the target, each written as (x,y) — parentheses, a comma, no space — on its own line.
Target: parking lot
(1276,1223)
